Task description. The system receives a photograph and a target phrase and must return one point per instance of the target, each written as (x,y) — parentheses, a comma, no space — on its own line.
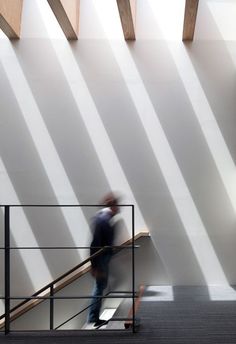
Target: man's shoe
(100,323)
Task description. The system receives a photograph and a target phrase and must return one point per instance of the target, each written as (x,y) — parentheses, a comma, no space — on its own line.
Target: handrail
(34,301)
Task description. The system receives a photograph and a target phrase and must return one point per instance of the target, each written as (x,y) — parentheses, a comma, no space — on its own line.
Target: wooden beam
(190,16)
(127,11)
(67,14)
(10,17)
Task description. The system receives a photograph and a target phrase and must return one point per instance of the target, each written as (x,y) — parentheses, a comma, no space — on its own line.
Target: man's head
(111,201)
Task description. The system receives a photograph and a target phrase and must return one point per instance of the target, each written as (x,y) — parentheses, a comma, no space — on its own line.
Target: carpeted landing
(188,315)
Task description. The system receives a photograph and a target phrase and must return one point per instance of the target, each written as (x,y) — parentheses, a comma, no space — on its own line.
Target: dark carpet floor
(190,319)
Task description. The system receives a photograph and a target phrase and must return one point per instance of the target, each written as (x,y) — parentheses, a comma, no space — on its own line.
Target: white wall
(153,119)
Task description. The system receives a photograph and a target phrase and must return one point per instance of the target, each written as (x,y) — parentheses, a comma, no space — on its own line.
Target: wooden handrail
(60,282)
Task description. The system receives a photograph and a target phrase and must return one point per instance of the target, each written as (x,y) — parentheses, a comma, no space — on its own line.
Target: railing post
(51,307)
(133,272)
(7,268)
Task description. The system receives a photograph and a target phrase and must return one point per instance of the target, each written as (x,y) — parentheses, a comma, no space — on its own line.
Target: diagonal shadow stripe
(92,121)
(42,141)
(112,96)
(213,189)
(28,178)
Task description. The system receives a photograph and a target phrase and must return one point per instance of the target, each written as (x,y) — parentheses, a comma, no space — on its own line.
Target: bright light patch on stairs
(107,313)
(158,293)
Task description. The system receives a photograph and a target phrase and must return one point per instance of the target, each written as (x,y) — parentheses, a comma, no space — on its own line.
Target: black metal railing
(51,288)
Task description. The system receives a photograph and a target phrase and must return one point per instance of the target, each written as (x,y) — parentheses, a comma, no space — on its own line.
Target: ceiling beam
(10,17)
(190,17)
(127,11)
(67,14)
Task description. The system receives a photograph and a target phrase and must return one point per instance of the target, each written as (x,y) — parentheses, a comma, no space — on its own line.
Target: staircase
(62,288)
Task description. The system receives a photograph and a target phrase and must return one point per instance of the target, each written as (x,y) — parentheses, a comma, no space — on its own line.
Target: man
(103,235)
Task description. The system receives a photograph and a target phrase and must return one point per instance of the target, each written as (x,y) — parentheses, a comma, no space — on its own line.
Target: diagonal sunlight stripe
(186,208)
(204,114)
(224,13)
(20,229)
(210,129)
(206,119)
(96,130)
(44,145)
